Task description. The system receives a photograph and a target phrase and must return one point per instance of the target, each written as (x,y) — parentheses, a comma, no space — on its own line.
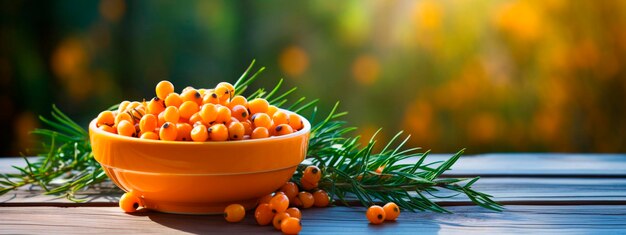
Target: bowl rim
(306,127)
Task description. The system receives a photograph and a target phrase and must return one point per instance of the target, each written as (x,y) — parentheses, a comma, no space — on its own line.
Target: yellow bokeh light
(428,15)
(293,61)
(521,20)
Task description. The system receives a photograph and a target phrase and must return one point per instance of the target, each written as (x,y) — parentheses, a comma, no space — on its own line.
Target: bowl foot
(197,209)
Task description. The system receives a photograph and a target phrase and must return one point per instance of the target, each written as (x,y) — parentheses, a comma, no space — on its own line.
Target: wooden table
(542,193)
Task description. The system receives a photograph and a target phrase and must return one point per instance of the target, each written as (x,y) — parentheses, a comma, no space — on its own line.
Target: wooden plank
(335,220)
(505,190)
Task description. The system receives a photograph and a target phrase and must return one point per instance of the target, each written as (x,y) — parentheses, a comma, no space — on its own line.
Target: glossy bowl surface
(199,177)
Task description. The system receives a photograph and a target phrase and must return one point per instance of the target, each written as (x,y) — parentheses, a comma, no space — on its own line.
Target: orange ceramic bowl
(199,177)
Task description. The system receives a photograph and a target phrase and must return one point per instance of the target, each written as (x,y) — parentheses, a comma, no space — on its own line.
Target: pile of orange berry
(275,208)
(198,115)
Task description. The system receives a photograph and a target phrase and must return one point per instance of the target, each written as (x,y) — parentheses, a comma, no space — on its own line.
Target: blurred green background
(491,76)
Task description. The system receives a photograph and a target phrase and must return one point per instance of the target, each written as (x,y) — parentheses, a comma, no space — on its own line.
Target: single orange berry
(191,95)
(280,117)
(240,112)
(278,219)
(271,110)
(279,203)
(261,120)
(228,86)
(291,225)
(171,114)
(236,131)
(105,118)
(306,199)
(195,118)
(149,135)
(282,129)
(210,98)
(238,100)
(392,211)
(294,212)
(187,109)
(223,115)
(290,189)
(208,113)
(259,133)
(312,174)
(306,185)
(375,214)
(122,107)
(109,129)
(295,121)
(263,214)
(258,105)
(321,198)
(148,123)
(163,89)
(129,202)
(247,126)
(174,100)
(218,132)
(125,128)
(234,213)
(123,116)
(168,131)
(199,133)
(184,131)
(222,93)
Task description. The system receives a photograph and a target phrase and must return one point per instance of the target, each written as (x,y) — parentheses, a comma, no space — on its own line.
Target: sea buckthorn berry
(195,118)
(132,105)
(263,214)
(122,107)
(306,199)
(282,129)
(258,105)
(236,131)
(222,93)
(321,198)
(129,202)
(156,106)
(240,112)
(210,98)
(261,120)
(230,87)
(208,112)
(271,110)
(280,117)
(312,174)
(234,213)
(375,214)
(247,126)
(290,189)
(187,88)
(173,99)
(191,95)
(125,128)
(392,211)
(294,212)
(123,116)
(279,203)
(291,225)
(168,131)
(137,112)
(161,119)
(238,100)
(109,129)
(266,199)
(187,109)
(307,185)
(259,133)
(148,123)
(278,219)
(199,133)
(149,136)
(184,131)
(295,122)
(105,118)
(295,202)
(171,114)
(218,132)
(163,89)
(223,115)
